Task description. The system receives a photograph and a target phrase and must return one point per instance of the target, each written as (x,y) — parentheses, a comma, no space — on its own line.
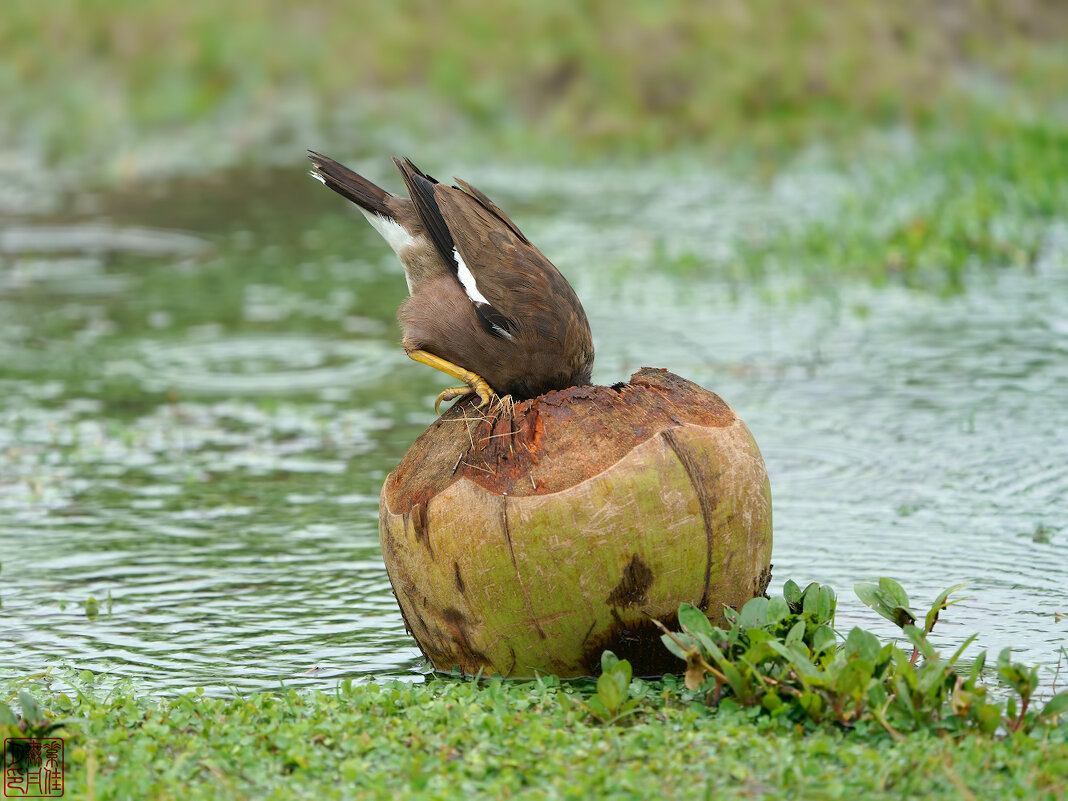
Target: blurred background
(847,218)
(128,89)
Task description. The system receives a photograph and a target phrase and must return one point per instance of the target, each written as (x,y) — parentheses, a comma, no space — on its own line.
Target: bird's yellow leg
(475,383)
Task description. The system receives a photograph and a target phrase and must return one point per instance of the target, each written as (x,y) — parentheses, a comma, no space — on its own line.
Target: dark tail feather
(350,185)
(421,188)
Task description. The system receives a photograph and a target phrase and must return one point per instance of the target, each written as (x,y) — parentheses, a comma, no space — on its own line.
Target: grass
(930,217)
(448,739)
(121,87)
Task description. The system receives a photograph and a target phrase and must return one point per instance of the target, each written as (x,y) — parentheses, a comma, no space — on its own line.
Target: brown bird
(484,306)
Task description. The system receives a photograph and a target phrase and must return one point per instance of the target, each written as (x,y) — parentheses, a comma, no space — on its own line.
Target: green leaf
(822,639)
(739,686)
(30,710)
(706,642)
(597,708)
(810,603)
(894,590)
(888,599)
(759,651)
(791,592)
(1004,657)
(876,695)
(798,660)
(989,717)
(674,647)
(693,620)
(906,672)
(7,717)
(977,670)
(1022,680)
(612,688)
(1057,705)
(608,690)
(757,636)
(623,670)
(932,677)
(825,605)
(608,661)
(778,610)
(863,643)
(796,633)
(902,616)
(915,636)
(938,605)
(92,607)
(902,695)
(868,593)
(754,614)
(771,701)
(963,646)
(812,704)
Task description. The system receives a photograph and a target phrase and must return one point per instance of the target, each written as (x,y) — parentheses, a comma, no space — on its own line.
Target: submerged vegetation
(986,199)
(777,705)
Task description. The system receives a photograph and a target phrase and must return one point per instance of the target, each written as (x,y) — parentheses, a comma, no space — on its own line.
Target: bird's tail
(350,185)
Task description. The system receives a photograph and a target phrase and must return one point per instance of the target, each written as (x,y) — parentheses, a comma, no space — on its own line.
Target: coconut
(530,539)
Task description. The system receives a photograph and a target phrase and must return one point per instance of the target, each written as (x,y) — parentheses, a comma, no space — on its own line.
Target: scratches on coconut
(506,527)
(706,499)
(459,579)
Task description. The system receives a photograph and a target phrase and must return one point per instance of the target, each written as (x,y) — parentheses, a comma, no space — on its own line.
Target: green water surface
(201,392)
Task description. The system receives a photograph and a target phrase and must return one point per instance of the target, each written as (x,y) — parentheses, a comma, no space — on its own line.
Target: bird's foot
(452,393)
(474,383)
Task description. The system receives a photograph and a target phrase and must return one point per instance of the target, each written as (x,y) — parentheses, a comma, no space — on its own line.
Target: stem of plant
(1024,702)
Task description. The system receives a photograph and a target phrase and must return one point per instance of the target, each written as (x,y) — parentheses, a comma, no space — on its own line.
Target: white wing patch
(467,281)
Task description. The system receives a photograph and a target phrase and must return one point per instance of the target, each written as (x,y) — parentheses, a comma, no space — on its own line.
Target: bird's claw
(480,388)
(451,394)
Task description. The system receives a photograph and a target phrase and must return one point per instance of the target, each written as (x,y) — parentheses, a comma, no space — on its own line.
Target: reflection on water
(196,426)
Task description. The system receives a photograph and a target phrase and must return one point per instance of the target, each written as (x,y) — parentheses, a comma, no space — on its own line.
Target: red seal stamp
(33,767)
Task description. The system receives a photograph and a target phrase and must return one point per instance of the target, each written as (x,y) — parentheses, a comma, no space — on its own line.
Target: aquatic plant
(784,655)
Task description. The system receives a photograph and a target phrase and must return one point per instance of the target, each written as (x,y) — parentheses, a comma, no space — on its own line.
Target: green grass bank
(449,739)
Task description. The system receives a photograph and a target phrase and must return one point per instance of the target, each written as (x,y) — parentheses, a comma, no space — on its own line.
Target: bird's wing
(492,207)
(426,194)
(504,268)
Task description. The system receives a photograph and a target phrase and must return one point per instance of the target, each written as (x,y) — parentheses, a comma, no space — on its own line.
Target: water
(201,393)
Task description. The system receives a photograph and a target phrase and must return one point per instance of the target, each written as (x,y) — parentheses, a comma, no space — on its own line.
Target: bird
(484,305)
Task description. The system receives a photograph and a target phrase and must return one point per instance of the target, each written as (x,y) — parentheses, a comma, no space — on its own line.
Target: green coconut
(529,540)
